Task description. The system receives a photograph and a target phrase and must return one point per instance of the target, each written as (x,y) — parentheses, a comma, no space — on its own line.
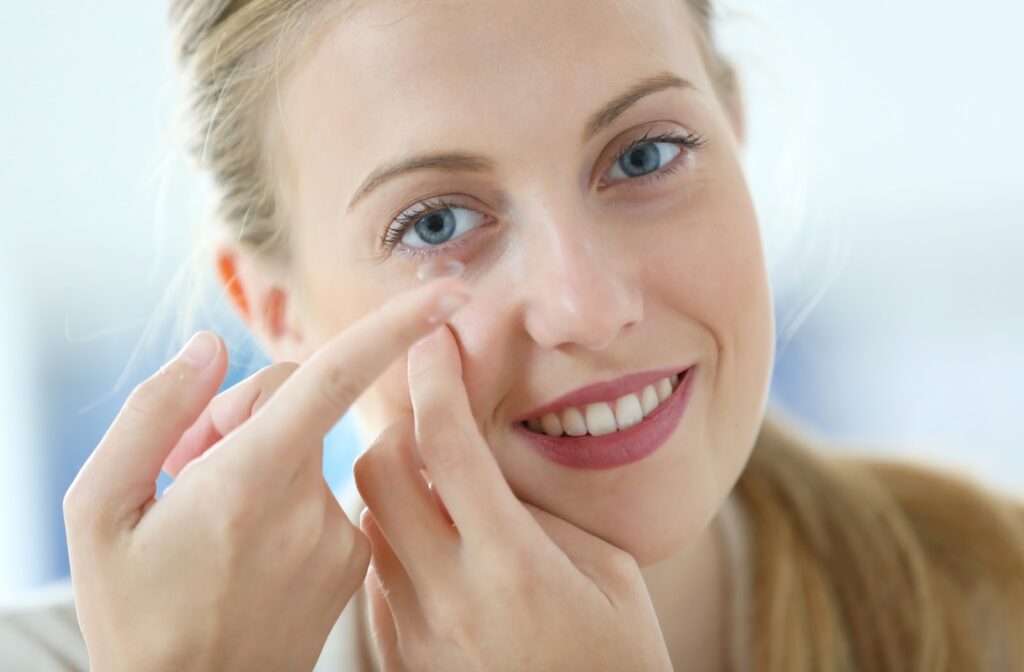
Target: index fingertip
(440,268)
(447,304)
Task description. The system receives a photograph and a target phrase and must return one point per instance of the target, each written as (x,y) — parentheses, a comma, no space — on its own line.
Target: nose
(579,288)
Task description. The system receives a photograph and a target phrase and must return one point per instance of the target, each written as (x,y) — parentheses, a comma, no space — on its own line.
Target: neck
(689,597)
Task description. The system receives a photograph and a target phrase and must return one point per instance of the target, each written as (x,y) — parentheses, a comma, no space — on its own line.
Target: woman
(577,469)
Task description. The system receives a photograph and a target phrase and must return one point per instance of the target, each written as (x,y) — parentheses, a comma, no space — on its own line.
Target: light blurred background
(886,157)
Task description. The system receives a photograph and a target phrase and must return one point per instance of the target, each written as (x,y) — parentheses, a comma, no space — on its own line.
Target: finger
(577,544)
(463,471)
(119,478)
(382,624)
(596,558)
(315,397)
(228,410)
(399,591)
(391,486)
(440,504)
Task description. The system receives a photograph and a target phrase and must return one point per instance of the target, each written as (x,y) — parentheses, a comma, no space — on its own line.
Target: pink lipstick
(619,447)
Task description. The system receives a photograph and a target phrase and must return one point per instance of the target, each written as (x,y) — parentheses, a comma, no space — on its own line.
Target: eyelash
(394,233)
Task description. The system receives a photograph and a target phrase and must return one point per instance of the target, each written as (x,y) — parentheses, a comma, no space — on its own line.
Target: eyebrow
(476,163)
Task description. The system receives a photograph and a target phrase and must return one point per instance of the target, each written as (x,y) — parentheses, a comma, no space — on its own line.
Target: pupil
(437,227)
(641,160)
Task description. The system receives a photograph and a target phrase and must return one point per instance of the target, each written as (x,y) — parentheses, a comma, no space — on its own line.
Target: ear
(258,293)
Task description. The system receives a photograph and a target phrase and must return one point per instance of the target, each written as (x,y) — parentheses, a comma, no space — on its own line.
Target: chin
(658,540)
(652,509)
(654,528)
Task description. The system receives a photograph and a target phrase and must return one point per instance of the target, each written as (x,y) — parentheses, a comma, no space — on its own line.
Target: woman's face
(587,263)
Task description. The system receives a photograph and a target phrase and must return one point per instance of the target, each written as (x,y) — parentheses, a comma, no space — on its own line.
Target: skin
(579,274)
(183,582)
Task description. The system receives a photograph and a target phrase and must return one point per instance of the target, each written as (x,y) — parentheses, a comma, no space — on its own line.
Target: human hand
(247,560)
(466,577)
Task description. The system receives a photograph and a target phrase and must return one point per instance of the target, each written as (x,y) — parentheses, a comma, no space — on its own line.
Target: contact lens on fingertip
(440,268)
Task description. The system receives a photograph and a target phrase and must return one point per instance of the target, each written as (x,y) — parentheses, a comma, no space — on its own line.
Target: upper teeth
(602,417)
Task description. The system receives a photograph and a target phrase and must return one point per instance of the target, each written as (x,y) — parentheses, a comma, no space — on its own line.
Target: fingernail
(447,305)
(200,350)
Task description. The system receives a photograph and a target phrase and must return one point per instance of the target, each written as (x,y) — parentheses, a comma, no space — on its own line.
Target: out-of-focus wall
(885,156)
(906,118)
(22,498)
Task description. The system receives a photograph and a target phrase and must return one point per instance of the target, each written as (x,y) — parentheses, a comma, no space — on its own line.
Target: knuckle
(347,547)
(281,371)
(71,496)
(448,449)
(83,515)
(75,508)
(622,566)
(272,377)
(152,397)
(142,400)
(359,549)
(448,623)
(517,567)
(302,535)
(339,389)
(366,461)
(364,467)
(512,573)
(377,460)
(399,431)
(313,518)
(236,508)
(242,474)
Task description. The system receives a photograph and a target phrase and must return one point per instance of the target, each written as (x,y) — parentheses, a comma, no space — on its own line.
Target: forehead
(495,76)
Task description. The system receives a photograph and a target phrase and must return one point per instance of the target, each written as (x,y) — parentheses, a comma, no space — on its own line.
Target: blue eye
(646,158)
(439,226)
(430,226)
(646,155)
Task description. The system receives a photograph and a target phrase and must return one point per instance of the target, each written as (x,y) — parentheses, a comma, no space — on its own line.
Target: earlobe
(277,326)
(275,314)
(255,293)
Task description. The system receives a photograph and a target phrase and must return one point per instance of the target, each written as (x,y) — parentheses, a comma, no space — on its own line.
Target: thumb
(119,479)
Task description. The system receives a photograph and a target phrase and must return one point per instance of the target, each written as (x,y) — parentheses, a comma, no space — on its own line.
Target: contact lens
(440,268)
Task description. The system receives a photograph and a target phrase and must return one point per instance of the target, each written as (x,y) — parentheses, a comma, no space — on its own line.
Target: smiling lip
(607,392)
(620,447)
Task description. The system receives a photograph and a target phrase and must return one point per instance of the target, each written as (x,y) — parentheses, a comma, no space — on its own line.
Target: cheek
(710,263)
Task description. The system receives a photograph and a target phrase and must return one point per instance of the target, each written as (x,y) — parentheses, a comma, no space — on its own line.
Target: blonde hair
(858,564)
(871,564)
